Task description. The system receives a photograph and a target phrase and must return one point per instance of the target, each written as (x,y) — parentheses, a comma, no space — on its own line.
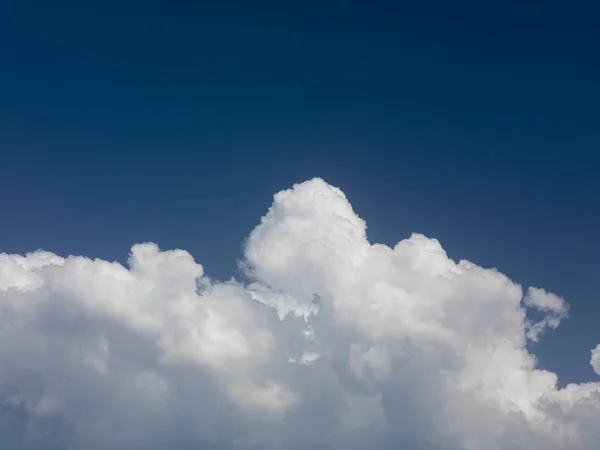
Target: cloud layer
(331,342)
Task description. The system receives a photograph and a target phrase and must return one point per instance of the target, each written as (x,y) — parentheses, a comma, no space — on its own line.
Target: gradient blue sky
(472,122)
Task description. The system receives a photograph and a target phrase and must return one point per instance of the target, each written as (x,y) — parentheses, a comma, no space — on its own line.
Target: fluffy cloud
(330,342)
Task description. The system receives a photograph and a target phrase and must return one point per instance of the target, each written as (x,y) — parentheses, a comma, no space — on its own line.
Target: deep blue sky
(473,122)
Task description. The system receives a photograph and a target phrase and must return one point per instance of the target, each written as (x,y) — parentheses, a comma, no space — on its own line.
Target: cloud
(330,342)
(553,308)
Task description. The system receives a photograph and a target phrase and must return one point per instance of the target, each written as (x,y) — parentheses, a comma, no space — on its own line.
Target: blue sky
(476,124)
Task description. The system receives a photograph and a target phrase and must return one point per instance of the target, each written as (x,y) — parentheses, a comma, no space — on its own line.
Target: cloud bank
(330,343)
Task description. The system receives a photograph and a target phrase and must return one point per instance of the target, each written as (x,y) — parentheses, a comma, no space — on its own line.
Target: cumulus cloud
(551,306)
(330,341)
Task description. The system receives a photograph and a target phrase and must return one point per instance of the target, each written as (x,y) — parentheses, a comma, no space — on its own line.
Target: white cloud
(595,361)
(334,343)
(553,308)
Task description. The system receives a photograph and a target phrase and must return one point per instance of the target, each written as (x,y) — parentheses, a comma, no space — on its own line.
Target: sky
(473,125)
